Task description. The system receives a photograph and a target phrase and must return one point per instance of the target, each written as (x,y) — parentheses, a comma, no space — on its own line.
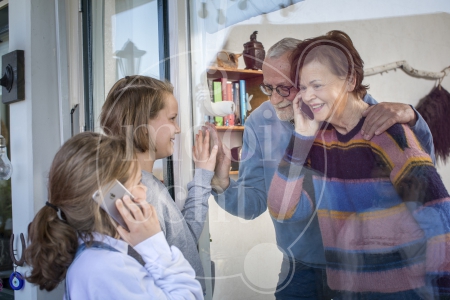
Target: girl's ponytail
(52,249)
(84,163)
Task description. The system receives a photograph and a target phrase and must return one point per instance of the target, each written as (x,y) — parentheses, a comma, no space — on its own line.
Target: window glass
(374,216)
(125,42)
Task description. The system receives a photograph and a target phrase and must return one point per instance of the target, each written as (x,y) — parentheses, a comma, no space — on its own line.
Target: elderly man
(267,133)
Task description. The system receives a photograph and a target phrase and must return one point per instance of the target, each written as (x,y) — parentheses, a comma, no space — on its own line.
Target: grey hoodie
(182,228)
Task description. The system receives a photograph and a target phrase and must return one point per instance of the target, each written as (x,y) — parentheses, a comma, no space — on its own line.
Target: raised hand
(141,219)
(202,158)
(382,116)
(221,179)
(303,125)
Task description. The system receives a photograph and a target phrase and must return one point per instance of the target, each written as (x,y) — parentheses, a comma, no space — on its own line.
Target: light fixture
(203,12)
(5,164)
(13,79)
(129,59)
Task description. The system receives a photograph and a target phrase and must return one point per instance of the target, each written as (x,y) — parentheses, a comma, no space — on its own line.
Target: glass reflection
(126,42)
(239,222)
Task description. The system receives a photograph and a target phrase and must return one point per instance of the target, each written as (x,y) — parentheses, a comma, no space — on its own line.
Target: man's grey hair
(281,47)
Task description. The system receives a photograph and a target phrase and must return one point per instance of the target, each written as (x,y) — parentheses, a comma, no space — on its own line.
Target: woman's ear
(351,83)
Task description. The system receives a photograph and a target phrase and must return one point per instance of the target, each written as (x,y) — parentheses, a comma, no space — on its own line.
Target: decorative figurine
(227,60)
(254,53)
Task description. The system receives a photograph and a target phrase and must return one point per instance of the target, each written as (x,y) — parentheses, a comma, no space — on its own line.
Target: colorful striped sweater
(383,211)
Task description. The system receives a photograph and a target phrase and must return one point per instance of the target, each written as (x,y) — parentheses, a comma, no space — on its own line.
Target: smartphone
(107,197)
(306,110)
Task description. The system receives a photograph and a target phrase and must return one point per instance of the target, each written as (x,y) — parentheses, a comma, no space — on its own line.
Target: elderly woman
(382,208)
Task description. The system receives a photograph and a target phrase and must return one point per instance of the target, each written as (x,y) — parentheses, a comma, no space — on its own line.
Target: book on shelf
(217,90)
(223,90)
(228,120)
(243,101)
(237,111)
(210,119)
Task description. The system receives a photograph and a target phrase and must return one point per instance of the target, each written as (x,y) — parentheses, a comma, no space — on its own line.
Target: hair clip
(58,211)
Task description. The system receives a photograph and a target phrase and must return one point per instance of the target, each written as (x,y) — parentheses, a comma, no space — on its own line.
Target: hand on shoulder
(380,117)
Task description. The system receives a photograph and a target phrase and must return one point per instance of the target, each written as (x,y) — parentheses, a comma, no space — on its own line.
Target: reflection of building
(128,59)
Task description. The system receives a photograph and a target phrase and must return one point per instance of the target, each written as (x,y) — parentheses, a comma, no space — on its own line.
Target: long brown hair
(130,104)
(82,165)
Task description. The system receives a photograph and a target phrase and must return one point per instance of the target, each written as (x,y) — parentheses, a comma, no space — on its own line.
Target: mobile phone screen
(307,111)
(107,197)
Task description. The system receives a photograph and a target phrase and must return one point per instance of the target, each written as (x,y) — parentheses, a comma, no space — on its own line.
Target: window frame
(88,75)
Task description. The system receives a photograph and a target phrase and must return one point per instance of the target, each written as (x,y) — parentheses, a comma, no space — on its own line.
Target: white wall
(37,126)
(383,32)
(317,12)
(421,40)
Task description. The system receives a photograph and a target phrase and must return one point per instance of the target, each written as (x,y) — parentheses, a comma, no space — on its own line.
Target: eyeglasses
(283,91)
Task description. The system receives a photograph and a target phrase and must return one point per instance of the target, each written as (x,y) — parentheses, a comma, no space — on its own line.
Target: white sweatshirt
(105,274)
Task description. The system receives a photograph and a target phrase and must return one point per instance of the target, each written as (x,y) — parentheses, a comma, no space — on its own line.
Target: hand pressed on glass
(221,179)
(204,151)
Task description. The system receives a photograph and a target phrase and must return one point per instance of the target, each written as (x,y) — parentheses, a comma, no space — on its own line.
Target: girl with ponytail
(72,239)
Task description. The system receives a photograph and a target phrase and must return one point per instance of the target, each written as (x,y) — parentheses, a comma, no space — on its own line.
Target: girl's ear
(145,128)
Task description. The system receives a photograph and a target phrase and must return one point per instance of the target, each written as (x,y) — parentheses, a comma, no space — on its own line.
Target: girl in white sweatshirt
(71,238)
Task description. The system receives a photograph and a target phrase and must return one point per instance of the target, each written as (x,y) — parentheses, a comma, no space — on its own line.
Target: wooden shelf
(232,74)
(234,172)
(230,128)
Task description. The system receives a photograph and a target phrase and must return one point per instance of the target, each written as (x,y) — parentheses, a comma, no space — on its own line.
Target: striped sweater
(383,210)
